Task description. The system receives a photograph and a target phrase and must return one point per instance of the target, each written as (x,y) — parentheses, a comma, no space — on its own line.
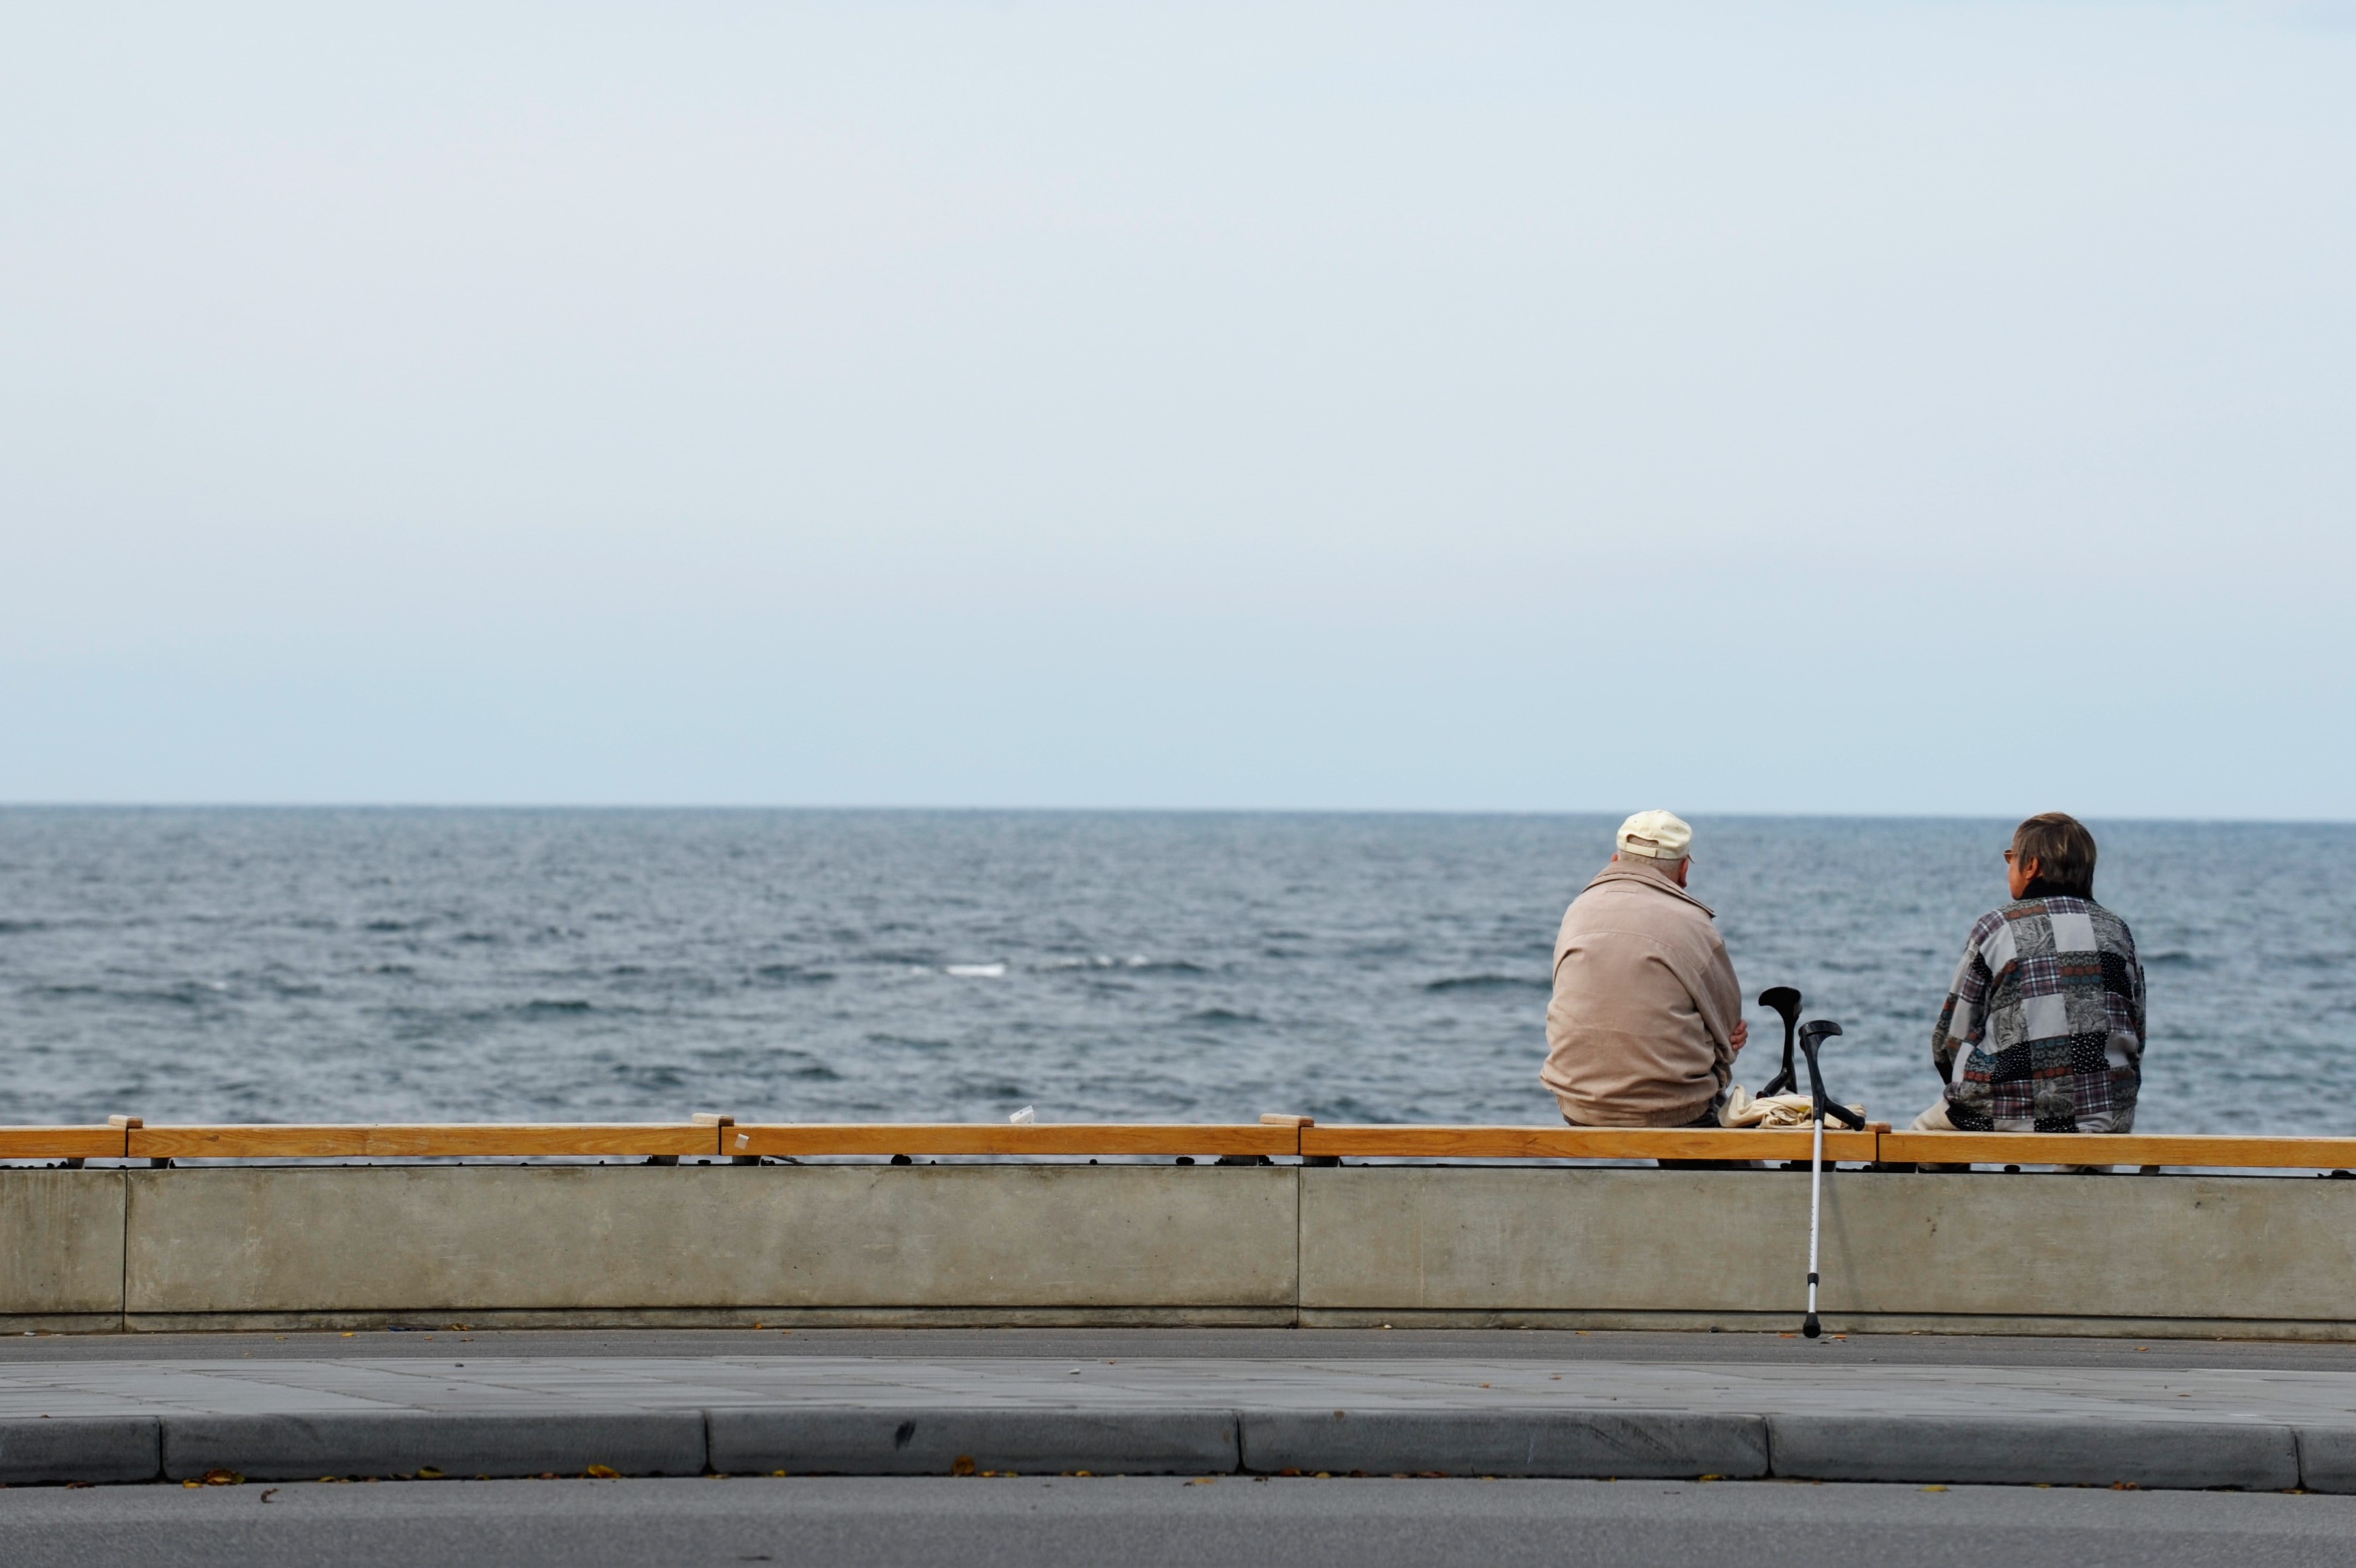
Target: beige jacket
(1639,1033)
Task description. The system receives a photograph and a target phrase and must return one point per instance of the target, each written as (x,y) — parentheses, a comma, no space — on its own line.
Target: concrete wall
(216,1247)
(1425,1244)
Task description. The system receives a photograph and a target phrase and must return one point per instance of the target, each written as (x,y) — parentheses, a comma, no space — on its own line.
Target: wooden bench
(1582,1143)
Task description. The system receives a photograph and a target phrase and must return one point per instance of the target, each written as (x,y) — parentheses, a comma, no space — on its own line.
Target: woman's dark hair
(2064,853)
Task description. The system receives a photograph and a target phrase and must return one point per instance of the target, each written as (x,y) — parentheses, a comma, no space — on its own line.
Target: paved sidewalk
(547,1384)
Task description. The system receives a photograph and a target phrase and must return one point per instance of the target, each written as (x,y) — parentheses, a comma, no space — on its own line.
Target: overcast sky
(1845,408)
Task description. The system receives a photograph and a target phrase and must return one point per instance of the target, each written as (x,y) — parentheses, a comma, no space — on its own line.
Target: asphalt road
(1043,1523)
(1086,1344)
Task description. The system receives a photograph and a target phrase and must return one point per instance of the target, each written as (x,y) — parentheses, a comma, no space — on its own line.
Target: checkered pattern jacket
(2043,1029)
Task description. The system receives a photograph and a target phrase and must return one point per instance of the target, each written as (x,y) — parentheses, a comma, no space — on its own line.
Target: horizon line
(844,809)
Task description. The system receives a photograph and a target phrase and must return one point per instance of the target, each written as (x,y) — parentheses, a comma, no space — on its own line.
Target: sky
(1842,408)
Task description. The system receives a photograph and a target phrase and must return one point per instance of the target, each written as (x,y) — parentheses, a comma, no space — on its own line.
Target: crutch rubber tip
(1811,1329)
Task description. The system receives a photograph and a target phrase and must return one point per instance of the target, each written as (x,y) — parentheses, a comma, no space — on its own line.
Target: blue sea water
(495,964)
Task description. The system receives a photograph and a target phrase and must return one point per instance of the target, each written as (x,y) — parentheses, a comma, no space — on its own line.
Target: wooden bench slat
(1583,1143)
(990,1137)
(388,1140)
(60,1143)
(2208,1149)
(715,1136)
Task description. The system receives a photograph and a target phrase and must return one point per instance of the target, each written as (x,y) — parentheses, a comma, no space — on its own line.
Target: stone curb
(2327,1458)
(2020,1451)
(34,1449)
(401,1443)
(1508,1442)
(1179,1442)
(1930,1449)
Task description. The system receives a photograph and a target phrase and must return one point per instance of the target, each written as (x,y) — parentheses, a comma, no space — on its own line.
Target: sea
(398,965)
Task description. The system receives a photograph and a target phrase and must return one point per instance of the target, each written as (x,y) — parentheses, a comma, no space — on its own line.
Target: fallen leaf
(223,1478)
(428,1473)
(1203,1481)
(962,1466)
(1934,1488)
(269,1494)
(603,1473)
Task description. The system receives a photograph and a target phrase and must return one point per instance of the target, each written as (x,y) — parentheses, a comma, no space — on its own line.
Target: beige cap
(1655,836)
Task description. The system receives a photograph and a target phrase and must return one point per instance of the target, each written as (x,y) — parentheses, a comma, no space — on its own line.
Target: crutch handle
(1813,1035)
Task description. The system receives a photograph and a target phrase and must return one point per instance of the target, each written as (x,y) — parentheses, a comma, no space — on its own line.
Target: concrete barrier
(645,1244)
(61,1249)
(1994,1252)
(1074,1245)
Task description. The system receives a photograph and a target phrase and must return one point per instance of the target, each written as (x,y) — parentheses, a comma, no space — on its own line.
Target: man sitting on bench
(1646,1014)
(2043,1029)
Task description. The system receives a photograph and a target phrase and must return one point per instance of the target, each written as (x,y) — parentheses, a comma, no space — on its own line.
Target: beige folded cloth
(1742,1110)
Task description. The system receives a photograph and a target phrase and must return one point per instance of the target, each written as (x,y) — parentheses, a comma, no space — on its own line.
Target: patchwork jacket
(2043,1029)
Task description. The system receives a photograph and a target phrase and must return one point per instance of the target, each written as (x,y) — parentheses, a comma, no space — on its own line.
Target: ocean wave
(557,1007)
(911,1043)
(1223,1017)
(1135,964)
(792,974)
(975,971)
